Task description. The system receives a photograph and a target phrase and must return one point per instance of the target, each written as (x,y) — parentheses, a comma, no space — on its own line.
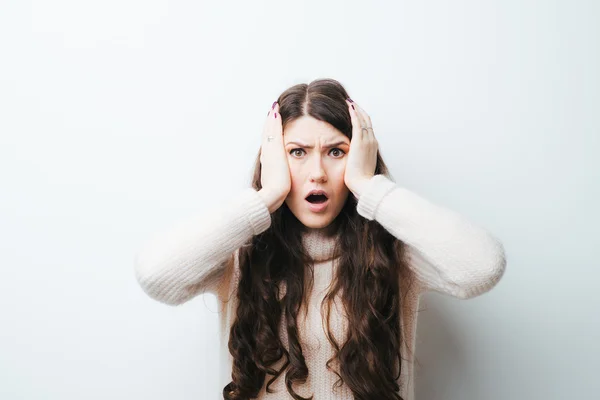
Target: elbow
(155,285)
(488,272)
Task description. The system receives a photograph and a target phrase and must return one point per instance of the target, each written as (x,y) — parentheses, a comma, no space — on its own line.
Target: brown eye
(339,151)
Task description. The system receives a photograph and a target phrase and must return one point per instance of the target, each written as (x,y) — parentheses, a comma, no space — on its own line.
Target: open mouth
(316,198)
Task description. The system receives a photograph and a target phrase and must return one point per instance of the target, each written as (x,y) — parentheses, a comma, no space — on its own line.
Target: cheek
(339,171)
(296,179)
(339,167)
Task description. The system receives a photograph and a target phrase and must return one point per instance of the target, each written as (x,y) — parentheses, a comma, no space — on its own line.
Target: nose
(317,173)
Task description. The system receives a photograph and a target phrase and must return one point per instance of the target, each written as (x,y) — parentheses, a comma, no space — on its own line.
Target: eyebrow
(327,146)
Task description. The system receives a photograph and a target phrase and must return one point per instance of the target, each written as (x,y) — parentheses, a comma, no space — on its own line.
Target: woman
(318,266)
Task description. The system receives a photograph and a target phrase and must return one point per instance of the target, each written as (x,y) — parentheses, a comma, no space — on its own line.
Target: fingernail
(353,106)
(350,100)
(273,106)
(275,115)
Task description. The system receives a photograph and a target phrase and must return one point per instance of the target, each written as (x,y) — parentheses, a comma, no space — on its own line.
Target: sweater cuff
(373,192)
(257,212)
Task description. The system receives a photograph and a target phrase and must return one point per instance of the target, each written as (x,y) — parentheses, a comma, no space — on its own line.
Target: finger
(277,119)
(367,122)
(362,124)
(273,127)
(364,115)
(272,110)
(356,127)
(266,124)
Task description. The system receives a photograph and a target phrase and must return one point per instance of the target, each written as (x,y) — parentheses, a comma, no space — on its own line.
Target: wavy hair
(371,267)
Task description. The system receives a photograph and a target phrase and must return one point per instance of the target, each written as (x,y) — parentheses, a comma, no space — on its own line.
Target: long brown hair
(371,267)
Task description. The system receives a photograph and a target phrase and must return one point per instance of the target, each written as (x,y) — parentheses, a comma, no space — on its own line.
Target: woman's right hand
(275,171)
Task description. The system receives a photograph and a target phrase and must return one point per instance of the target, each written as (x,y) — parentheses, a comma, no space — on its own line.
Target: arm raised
(448,253)
(191,257)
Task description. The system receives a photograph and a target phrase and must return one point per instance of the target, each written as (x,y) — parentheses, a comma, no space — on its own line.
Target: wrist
(358,188)
(271,201)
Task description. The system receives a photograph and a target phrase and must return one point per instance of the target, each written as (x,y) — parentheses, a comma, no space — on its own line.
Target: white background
(119,117)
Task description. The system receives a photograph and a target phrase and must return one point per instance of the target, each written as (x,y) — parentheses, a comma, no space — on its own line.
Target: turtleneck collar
(320,243)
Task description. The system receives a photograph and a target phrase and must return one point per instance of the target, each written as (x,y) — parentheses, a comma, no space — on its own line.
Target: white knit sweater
(447,253)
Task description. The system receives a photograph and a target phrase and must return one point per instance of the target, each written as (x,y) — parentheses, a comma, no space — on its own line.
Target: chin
(309,219)
(316,221)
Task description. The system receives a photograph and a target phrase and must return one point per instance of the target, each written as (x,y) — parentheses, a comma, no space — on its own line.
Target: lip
(317,191)
(317,207)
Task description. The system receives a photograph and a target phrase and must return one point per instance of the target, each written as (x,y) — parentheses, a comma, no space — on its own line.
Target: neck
(320,243)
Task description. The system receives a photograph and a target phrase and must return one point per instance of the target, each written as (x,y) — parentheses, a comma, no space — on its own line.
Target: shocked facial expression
(317,154)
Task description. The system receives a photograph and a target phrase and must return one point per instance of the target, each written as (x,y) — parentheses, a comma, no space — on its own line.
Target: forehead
(310,129)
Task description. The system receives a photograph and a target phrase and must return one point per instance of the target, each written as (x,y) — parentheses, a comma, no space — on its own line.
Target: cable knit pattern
(447,253)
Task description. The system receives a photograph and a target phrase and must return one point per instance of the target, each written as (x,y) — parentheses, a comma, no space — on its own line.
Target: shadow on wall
(441,368)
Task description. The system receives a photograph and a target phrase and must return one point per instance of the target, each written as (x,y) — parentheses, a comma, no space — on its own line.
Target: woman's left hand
(362,156)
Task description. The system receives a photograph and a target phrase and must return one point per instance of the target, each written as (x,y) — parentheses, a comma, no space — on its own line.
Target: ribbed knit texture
(319,244)
(447,253)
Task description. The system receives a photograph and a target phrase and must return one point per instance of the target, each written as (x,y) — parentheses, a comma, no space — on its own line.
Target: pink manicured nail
(275,115)
(273,106)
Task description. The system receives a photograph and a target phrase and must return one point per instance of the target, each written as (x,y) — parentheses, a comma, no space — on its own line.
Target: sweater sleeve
(191,257)
(447,253)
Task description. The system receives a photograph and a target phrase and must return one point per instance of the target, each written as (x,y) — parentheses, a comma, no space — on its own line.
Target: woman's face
(317,154)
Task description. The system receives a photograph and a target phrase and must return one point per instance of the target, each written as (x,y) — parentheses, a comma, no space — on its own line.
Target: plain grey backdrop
(118,118)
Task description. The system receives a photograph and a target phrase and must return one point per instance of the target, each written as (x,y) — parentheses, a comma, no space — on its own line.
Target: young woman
(318,267)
